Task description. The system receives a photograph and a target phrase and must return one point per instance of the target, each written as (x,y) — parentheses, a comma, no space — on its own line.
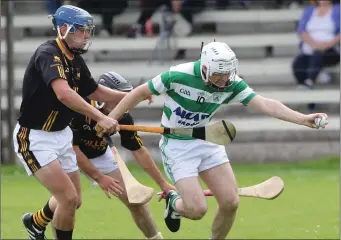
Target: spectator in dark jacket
(107,9)
(185,7)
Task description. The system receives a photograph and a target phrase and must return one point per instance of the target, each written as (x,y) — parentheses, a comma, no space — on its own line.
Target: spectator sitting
(186,8)
(107,10)
(319,33)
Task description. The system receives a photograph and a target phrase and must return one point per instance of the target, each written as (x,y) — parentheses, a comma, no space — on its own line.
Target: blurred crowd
(108,9)
(318,28)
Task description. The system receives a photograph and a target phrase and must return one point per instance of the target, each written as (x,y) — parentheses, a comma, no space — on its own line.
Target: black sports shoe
(172,218)
(34,233)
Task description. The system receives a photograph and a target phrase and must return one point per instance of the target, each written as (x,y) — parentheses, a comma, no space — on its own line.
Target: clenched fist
(107,125)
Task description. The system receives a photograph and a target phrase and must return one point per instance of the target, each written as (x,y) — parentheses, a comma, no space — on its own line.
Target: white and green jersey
(188,101)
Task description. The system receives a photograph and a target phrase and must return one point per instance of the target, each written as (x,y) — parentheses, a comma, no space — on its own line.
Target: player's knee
(230,204)
(196,212)
(70,201)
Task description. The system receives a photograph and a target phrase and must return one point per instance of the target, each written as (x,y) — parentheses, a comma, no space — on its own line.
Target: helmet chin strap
(75,50)
(67,46)
(211,84)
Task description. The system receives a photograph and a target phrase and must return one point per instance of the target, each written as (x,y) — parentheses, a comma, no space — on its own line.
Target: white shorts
(186,158)
(37,148)
(105,163)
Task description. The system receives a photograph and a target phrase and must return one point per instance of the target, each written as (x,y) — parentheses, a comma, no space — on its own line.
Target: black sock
(64,235)
(42,217)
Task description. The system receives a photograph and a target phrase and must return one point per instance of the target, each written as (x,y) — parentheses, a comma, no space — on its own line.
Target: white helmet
(218,58)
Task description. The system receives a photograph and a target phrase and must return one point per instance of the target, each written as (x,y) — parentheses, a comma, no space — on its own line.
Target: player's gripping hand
(110,185)
(106,125)
(310,120)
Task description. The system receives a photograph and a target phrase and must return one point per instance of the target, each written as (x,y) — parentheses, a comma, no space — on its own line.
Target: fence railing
(10,116)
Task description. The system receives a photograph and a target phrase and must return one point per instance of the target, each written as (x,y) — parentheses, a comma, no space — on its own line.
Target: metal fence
(8,157)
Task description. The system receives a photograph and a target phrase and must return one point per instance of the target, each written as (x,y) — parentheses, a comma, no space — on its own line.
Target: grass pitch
(308,208)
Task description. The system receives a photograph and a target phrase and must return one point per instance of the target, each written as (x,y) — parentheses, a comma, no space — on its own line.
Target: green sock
(174,197)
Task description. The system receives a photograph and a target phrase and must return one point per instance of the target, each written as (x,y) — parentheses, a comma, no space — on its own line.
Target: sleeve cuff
(248,98)
(152,89)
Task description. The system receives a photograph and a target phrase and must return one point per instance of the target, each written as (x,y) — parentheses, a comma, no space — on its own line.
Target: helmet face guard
(88,33)
(220,78)
(226,69)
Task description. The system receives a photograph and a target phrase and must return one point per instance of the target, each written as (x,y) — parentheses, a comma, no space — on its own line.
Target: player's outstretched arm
(144,159)
(134,97)
(278,110)
(105,94)
(75,102)
(108,184)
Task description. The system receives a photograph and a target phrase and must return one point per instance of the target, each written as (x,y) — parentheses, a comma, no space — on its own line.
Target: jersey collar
(65,51)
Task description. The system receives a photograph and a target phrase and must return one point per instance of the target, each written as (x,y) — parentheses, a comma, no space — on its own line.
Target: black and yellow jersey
(84,136)
(40,108)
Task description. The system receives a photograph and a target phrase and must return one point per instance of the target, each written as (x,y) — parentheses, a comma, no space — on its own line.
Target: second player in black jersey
(85,136)
(97,161)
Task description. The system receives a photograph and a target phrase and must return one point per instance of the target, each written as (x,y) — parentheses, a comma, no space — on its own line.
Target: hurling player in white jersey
(193,92)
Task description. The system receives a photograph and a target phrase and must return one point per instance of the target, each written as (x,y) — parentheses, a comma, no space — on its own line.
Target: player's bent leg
(192,203)
(181,161)
(68,162)
(140,213)
(53,177)
(75,178)
(221,181)
(189,202)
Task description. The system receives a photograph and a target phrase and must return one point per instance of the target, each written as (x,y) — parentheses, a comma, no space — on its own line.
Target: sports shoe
(172,218)
(34,233)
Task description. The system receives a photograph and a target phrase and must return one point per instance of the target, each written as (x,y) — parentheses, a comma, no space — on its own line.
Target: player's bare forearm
(131,100)
(144,159)
(276,109)
(78,104)
(85,165)
(74,101)
(104,94)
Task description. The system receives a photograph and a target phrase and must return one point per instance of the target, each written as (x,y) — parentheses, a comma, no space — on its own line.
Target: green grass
(308,208)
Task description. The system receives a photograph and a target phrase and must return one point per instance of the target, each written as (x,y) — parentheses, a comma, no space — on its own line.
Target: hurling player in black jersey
(96,160)
(55,84)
